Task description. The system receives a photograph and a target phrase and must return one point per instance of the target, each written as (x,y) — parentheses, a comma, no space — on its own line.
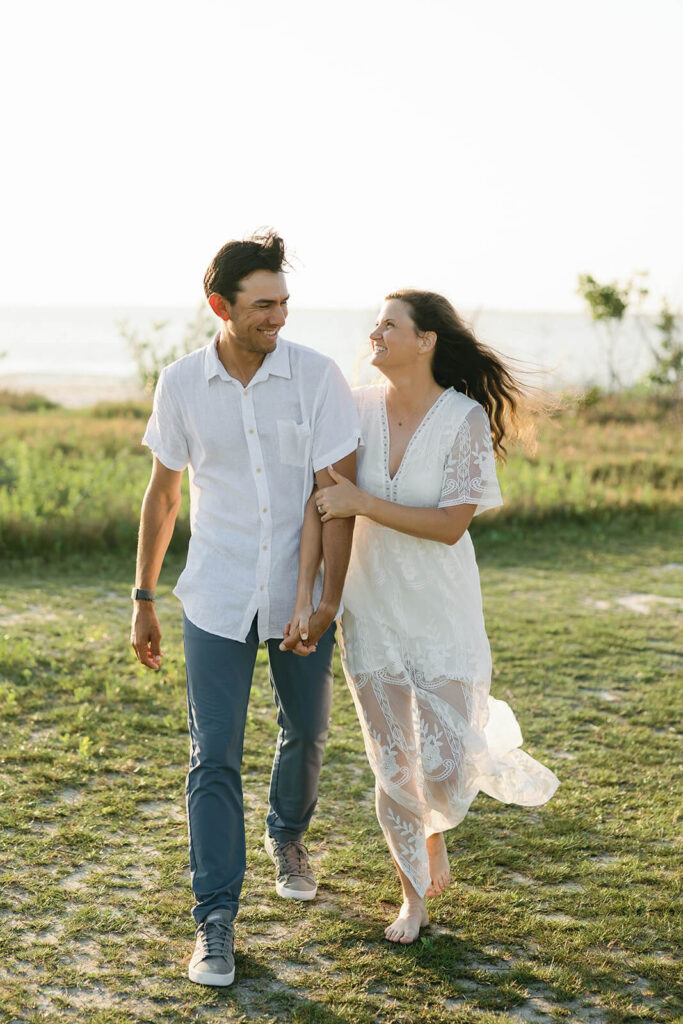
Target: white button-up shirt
(252,453)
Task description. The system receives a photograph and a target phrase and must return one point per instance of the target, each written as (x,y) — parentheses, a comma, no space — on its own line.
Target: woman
(413,643)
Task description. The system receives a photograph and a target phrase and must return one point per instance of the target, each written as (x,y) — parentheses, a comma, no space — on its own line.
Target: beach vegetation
(121,410)
(71,480)
(152,348)
(24,401)
(608,305)
(667,373)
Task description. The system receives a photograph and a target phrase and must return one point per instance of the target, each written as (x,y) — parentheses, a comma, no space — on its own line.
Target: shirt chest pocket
(295,442)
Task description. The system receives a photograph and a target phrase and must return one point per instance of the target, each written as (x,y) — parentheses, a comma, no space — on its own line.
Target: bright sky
(490,150)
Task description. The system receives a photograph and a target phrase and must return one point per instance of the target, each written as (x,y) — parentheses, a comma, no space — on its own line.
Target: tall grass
(72,480)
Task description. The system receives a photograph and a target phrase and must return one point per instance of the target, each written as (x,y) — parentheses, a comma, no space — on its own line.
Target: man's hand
(296,631)
(145,635)
(302,632)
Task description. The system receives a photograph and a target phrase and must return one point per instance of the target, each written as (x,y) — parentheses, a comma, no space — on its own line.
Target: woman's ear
(427,341)
(219,305)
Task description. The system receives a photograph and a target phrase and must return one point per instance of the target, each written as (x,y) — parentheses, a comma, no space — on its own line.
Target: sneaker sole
(294,894)
(204,978)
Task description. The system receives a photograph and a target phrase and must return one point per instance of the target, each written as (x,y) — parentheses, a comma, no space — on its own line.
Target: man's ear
(219,305)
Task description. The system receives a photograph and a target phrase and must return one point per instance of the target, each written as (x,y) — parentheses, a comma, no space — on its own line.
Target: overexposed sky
(490,150)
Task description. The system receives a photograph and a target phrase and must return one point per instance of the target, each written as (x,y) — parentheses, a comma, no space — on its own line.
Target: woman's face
(395,342)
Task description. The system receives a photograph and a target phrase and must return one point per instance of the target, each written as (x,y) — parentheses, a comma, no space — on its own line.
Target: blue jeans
(219,674)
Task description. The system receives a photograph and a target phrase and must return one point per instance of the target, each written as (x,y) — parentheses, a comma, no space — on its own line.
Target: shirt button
(261,588)
(264,510)
(244,392)
(265,547)
(251,430)
(258,469)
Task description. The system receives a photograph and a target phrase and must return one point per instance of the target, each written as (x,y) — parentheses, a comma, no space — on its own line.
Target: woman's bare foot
(439,868)
(406,928)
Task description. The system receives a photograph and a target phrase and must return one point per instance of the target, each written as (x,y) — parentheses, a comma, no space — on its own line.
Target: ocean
(55,348)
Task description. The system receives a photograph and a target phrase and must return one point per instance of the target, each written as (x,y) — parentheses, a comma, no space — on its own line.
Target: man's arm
(336,544)
(157,520)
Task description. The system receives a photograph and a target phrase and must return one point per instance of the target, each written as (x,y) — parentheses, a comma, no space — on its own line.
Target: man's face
(259,311)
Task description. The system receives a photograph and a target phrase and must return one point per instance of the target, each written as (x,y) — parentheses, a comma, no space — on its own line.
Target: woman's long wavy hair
(461,361)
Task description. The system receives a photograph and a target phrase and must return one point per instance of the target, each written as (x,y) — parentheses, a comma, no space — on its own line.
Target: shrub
(24,401)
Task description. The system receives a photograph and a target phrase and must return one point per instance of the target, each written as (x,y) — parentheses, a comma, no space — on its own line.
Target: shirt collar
(276,363)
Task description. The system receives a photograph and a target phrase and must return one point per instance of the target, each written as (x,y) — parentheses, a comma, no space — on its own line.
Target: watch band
(138,594)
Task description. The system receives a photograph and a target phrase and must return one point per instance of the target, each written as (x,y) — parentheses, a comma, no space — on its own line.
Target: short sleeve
(335,428)
(164,434)
(470,470)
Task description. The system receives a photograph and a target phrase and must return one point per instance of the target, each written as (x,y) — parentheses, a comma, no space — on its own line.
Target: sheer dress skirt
(418,665)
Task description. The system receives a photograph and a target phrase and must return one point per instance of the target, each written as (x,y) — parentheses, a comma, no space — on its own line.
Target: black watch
(142,595)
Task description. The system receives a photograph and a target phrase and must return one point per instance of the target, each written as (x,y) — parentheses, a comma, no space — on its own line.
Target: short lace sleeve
(470,470)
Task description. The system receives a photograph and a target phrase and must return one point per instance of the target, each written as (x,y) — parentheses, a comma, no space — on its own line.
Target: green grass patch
(566,912)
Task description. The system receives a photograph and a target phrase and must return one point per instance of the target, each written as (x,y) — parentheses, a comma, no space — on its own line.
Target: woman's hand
(341,501)
(296,631)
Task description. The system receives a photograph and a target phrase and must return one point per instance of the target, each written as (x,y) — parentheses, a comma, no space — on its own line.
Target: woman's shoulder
(458,405)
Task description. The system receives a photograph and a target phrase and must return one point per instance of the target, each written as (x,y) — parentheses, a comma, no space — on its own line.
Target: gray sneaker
(213,961)
(295,878)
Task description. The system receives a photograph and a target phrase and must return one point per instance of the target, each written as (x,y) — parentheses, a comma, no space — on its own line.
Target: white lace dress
(413,643)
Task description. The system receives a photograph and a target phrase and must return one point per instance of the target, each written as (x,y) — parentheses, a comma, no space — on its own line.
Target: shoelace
(215,937)
(293,858)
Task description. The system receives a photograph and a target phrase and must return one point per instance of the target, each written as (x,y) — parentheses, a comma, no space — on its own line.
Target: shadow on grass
(261,993)
(581,543)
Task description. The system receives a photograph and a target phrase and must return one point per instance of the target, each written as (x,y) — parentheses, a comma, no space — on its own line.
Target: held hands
(296,631)
(341,501)
(145,635)
(304,629)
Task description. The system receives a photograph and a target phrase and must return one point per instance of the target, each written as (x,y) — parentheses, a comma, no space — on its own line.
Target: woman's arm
(446,525)
(310,557)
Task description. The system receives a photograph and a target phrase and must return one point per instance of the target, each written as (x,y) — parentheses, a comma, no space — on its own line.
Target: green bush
(120,410)
(24,401)
(73,480)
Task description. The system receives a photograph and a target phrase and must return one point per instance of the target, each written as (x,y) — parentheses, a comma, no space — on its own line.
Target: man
(256,419)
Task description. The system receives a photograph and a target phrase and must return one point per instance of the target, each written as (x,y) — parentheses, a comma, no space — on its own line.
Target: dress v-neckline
(387,435)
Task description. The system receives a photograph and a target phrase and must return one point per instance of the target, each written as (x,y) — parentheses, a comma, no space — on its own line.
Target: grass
(567,912)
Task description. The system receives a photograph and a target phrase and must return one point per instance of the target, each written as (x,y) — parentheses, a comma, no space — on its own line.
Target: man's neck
(240,364)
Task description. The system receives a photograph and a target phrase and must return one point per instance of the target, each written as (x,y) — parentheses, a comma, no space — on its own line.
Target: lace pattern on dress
(430,756)
(470,470)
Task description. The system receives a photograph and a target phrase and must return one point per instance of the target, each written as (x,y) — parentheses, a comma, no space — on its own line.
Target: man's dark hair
(236,260)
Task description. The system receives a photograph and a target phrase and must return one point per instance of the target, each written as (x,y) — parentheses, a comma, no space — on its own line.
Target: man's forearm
(157,521)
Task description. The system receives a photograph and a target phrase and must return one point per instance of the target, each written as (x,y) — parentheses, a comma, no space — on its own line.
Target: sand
(73,391)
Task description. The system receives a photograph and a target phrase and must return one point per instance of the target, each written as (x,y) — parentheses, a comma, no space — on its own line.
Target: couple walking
(271,433)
